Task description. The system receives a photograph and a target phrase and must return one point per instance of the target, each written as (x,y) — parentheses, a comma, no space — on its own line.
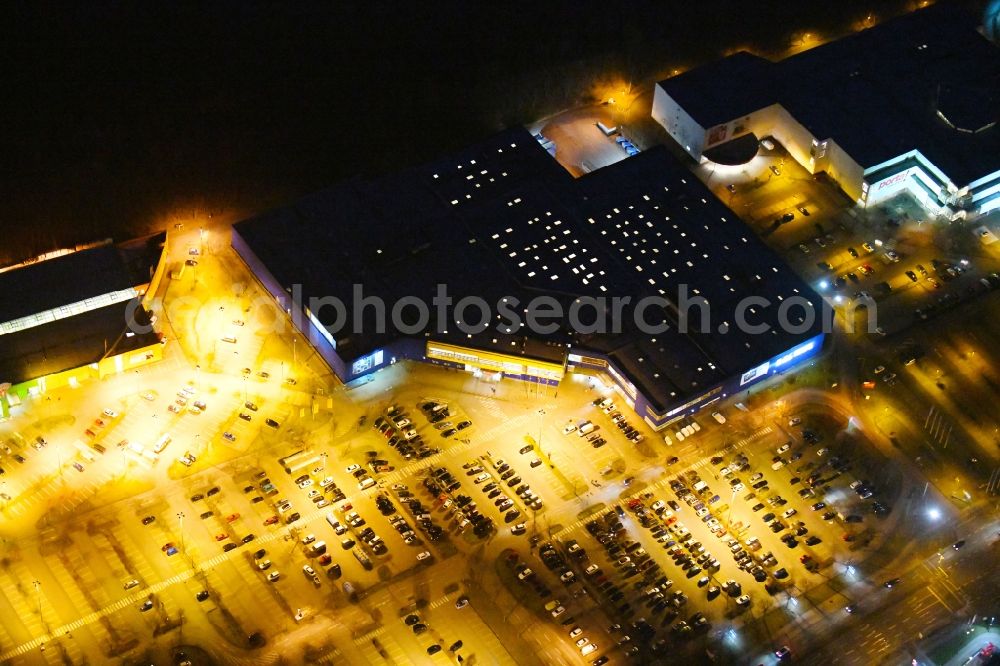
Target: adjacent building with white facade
(911,104)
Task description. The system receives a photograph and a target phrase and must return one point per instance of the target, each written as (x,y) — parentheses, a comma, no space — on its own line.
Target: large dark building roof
(927,81)
(60,281)
(503,219)
(71,343)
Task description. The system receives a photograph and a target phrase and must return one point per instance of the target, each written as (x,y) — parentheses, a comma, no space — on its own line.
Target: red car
(167,546)
(231,517)
(222,536)
(325,559)
(271,521)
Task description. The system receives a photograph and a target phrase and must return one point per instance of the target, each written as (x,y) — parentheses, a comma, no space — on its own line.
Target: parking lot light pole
(38,595)
(729,520)
(180,522)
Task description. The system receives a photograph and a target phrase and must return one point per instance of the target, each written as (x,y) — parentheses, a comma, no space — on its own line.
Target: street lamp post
(731,503)
(180,522)
(38,595)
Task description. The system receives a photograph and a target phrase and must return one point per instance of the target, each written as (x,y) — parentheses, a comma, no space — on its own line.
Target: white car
(743,600)
(570,427)
(110,413)
(312,493)
(483,477)
(328,481)
(273,576)
(402,423)
(410,434)
(148,395)
(718,417)
(794,421)
(305,484)
(822,452)
(425,555)
(308,539)
(580,642)
(575,631)
(351,468)
(789,513)
(588,649)
(783,448)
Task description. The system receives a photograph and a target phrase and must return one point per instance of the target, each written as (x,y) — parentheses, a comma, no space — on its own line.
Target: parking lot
(912,265)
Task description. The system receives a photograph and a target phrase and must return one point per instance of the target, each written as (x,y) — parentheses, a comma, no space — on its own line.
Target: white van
(162,443)
(366,483)
(317,547)
(586,428)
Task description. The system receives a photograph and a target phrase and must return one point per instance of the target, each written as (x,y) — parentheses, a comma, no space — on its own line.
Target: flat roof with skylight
(503,219)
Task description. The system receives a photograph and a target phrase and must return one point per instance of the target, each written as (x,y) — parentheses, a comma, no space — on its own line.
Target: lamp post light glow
(38,595)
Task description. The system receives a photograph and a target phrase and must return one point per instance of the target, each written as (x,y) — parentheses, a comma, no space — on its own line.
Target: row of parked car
(608,407)
(421,515)
(401,433)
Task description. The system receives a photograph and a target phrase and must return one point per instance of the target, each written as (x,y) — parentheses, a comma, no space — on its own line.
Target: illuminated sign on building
(893,180)
(494,362)
(794,354)
(754,373)
(367,362)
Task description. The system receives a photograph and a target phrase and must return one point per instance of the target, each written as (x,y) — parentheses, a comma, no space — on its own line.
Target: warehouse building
(502,222)
(908,105)
(64,318)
